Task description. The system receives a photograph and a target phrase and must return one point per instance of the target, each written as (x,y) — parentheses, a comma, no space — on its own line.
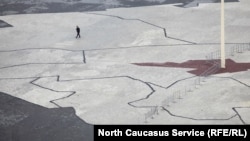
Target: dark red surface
(200,66)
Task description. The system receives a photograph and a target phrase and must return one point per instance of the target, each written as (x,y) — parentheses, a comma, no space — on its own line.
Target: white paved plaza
(42,62)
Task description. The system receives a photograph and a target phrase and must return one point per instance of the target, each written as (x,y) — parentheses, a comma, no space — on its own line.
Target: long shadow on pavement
(24,121)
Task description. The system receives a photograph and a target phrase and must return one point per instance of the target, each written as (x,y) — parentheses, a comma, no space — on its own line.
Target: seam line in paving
(234,79)
(162,28)
(234,108)
(195,118)
(33,82)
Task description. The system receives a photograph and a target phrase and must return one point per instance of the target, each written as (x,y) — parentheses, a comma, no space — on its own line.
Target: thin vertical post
(223,58)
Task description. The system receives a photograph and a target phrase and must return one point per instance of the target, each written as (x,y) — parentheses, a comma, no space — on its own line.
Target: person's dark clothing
(78,32)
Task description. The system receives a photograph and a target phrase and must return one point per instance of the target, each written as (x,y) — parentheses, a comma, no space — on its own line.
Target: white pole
(223,59)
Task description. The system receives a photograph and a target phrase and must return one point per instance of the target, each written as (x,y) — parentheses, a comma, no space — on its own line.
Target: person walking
(78,32)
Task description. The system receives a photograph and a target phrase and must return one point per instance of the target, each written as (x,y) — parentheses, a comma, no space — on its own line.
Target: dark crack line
(33,82)
(234,108)
(84,57)
(27,64)
(84,53)
(47,63)
(97,78)
(164,29)
(195,118)
(181,40)
(27,49)
(96,49)
(156,85)
(129,77)
(128,19)
(35,79)
(125,47)
(237,114)
(165,33)
(179,81)
(133,47)
(151,93)
(240,82)
(121,18)
(19,78)
(159,45)
(172,84)
(130,103)
(234,79)
(53,101)
(148,23)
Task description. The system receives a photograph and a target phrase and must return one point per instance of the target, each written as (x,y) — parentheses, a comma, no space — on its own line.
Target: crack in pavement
(234,79)
(84,57)
(129,77)
(33,82)
(35,79)
(238,115)
(160,45)
(148,84)
(53,101)
(84,52)
(148,23)
(27,49)
(52,63)
(150,45)
(172,84)
(123,47)
(20,65)
(194,118)
(235,110)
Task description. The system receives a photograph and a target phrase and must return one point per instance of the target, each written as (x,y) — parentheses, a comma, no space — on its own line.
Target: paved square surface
(148,64)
